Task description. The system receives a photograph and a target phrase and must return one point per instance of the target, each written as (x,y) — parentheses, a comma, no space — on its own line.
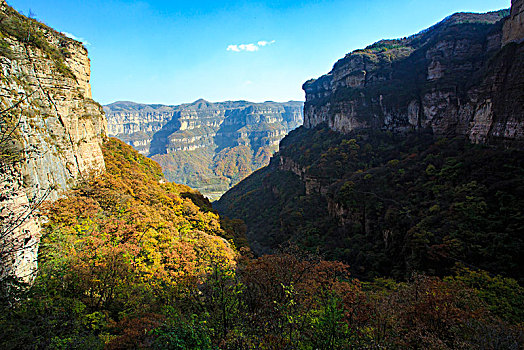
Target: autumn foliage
(129,261)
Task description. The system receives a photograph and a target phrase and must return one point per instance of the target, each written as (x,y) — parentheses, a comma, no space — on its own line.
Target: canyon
(391,219)
(207,146)
(393,136)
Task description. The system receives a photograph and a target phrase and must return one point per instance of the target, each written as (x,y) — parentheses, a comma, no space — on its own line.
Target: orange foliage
(127,229)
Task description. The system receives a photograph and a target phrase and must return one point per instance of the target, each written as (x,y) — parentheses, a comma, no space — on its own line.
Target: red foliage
(134,332)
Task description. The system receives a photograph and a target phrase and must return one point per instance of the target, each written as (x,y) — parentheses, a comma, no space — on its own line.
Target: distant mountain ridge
(207,145)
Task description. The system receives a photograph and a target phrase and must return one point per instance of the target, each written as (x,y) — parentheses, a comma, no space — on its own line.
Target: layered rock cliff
(52,130)
(514,26)
(208,146)
(136,123)
(455,78)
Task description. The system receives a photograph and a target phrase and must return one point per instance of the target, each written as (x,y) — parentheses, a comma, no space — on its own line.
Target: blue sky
(173,52)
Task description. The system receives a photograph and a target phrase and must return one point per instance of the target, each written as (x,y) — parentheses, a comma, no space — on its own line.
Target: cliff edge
(462,76)
(52,130)
(514,26)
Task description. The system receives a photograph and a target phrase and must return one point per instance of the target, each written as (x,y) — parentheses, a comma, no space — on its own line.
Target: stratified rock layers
(514,25)
(58,128)
(456,78)
(208,146)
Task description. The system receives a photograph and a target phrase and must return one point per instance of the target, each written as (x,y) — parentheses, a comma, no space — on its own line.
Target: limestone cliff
(50,125)
(455,78)
(136,123)
(514,25)
(208,146)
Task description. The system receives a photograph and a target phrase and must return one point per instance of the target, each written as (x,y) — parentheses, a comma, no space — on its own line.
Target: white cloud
(233,48)
(264,43)
(249,47)
(74,37)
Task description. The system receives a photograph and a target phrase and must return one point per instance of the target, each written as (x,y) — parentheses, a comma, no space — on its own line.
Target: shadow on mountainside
(160,138)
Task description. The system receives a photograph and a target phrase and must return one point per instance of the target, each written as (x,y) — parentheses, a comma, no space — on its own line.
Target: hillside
(124,241)
(208,146)
(129,260)
(453,79)
(387,204)
(385,174)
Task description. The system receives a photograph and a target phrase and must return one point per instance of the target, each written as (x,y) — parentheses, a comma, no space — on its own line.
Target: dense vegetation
(32,34)
(389,204)
(129,261)
(214,173)
(116,246)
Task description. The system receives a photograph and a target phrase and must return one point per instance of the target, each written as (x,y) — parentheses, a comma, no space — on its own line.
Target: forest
(128,260)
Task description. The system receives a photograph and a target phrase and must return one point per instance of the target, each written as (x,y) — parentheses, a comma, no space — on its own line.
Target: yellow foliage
(128,228)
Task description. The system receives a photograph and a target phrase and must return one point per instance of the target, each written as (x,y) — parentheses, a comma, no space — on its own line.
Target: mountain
(208,146)
(128,260)
(453,79)
(51,130)
(410,157)
(136,123)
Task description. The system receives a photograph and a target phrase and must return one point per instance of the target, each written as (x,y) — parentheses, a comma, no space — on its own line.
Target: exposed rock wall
(208,146)
(453,78)
(58,128)
(514,26)
(136,123)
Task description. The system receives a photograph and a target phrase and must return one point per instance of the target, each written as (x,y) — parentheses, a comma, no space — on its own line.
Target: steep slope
(122,245)
(208,146)
(385,174)
(136,123)
(51,129)
(387,204)
(452,78)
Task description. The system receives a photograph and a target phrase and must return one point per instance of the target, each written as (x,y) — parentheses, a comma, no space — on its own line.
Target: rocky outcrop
(136,123)
(208,146)
(514,25)
(455,78)
(52,130)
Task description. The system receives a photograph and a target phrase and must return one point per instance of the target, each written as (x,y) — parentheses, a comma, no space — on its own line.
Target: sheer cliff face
(136,123)
(57,128)
(514,25)
(208,146)
(455,78)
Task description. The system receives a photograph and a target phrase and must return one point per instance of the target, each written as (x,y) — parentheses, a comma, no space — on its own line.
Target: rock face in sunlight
(136,123)
(58,128)
(514,25)
(208,146)
(462,76)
